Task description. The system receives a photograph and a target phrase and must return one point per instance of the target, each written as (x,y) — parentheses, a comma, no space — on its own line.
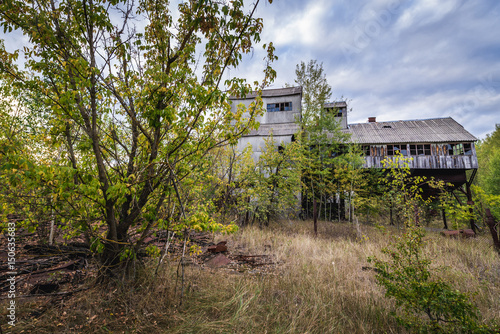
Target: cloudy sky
(394,59)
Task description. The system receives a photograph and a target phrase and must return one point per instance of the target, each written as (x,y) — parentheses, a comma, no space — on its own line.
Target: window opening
(459,149)
(467,149)
(397,149)
(420,149)
(366,150)
(283,106)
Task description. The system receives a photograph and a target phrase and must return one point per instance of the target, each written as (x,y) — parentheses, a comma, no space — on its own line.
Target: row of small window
(424,149)
(283,106)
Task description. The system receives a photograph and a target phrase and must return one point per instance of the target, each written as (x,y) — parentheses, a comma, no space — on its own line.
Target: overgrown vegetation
(111,133)
(325,175)
(319,285)
(122,115)
(277,181)
(487,190)
(417,290)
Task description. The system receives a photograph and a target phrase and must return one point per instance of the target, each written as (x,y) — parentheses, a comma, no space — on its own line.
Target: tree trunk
(391,214)
(111,266)
(247,213)
(490,220)
(470,203)
(315,217)
(338,207)
(444,219)
(417,216)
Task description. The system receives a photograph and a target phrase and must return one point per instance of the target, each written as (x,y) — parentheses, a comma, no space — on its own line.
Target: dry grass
(319,286)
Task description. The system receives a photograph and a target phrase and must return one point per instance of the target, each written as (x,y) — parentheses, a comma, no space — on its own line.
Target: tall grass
(317,285)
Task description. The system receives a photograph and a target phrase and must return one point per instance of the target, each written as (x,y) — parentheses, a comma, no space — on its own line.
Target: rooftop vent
(372,119)
(387,127)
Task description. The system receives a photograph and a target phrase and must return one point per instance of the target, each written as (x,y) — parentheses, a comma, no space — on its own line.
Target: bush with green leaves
(425,303)
(132,110)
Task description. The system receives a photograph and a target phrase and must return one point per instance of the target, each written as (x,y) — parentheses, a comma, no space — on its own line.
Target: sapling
(425,302)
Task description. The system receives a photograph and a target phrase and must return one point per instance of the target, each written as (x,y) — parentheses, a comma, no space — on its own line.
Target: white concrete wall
(275,116)
(258,144)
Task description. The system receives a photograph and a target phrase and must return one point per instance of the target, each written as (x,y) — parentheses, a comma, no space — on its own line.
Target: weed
(318,285)
(408,279)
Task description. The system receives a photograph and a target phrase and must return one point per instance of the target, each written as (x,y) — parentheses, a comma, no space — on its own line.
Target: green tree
(227,179)
(488,153)
(408,279)
(134,107)
(24,142)
(276,180)
(487,190)
(350,179)
(405,191)
(323,138)
(316,90)
(407,276)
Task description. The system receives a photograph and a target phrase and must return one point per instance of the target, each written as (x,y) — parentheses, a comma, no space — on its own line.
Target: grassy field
(317,285)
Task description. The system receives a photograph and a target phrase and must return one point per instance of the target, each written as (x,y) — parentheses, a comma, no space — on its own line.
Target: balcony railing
(429,162)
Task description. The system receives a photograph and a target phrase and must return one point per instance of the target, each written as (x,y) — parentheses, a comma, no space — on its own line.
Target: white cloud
(407,60)
(424,12)
(304,27)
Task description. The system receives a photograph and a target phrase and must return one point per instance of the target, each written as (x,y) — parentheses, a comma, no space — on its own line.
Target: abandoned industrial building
(439,147)
(283,108)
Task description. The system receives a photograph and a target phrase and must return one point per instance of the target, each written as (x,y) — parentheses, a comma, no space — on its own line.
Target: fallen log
(78,250)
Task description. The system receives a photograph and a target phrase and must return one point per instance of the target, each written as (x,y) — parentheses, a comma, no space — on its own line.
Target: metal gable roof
(436,130)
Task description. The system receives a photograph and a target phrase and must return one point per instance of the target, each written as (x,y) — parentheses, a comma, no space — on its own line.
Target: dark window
(450,149)
(390,149)
(283,106)
(420,149)
(403,149)
(427,149)
(366,150)
(413,149)
(456,149)
(339,112)
(467,148)
(273,107)
(459,149)
(397,149)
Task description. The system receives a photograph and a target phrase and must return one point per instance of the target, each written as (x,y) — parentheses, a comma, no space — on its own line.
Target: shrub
(425,303)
